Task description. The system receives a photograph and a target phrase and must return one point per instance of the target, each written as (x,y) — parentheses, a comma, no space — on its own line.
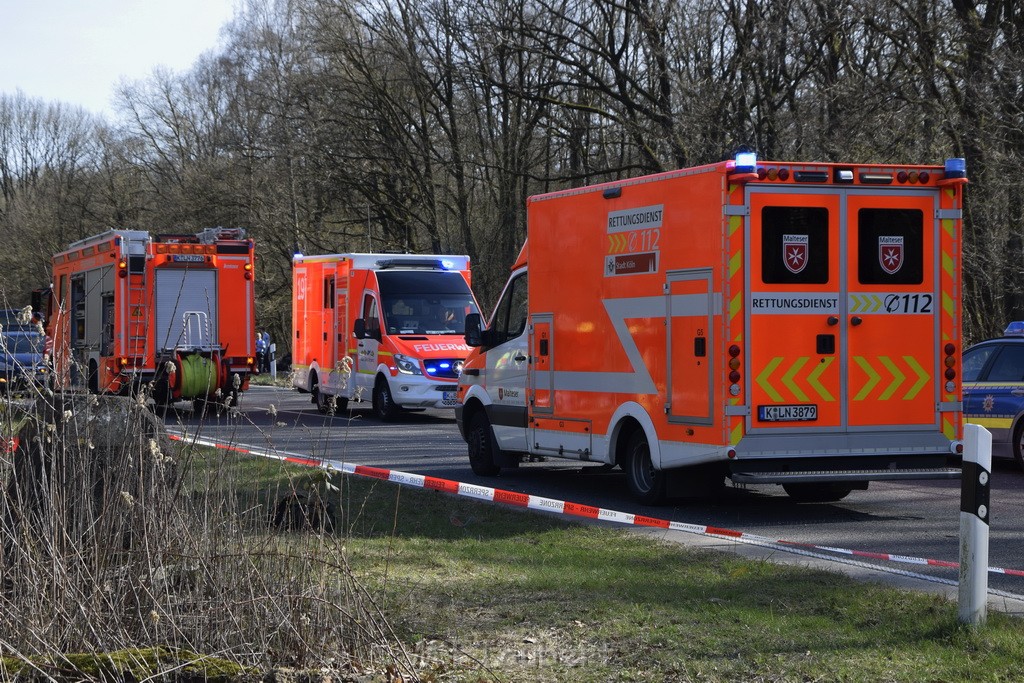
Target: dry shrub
(107,544)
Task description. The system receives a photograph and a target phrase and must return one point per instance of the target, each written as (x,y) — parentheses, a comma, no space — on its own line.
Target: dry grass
(115,540)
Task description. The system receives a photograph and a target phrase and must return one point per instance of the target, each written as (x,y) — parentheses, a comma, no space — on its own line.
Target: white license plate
(791,413)
(448,397)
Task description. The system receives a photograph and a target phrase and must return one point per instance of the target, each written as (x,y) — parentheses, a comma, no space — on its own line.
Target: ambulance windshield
(428,302)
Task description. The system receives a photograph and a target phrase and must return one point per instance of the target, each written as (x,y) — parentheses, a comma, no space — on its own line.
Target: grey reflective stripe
(639,381)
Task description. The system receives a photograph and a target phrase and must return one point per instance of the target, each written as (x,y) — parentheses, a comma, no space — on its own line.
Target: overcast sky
(77,51)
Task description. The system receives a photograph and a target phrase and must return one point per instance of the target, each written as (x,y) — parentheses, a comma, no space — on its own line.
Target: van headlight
(407,365)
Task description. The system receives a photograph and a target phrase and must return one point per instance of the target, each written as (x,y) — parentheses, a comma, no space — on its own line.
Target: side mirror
(359,329)
(474,330)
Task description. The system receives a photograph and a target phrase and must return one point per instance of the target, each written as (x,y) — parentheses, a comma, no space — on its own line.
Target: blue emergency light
(1014,329)
(956,168)
(746,162)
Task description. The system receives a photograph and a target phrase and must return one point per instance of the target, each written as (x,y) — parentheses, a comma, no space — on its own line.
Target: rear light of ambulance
(122,268)
(734,370)
(950,364)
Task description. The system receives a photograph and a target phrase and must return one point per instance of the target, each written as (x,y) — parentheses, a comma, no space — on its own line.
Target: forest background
(423,125)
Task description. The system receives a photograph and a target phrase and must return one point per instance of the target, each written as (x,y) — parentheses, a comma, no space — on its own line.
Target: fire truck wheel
(1018,444)
(645,483)
(824,492)
(203,407)
(384,406)
(94,378)
(481,446)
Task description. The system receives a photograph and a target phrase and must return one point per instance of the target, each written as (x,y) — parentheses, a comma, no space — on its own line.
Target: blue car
(993,390)
(22,359)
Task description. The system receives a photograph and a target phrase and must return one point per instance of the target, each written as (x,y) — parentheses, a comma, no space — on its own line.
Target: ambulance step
(844,475)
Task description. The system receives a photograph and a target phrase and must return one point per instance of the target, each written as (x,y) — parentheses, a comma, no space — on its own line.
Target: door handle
(856,320)
(519,359)
(832,320)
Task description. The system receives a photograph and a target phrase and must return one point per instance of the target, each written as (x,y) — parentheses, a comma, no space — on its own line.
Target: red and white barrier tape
(552,505)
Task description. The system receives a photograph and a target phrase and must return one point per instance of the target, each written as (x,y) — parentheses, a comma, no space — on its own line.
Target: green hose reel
(198,376)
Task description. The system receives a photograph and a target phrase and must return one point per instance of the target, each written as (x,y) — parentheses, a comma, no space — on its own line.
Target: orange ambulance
(382,328)
(771,322)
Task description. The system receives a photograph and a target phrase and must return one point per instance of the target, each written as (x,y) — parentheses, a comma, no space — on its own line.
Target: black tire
(1018,444)
(162,396)
(824,492)
(94,378)
(205,406)
(645,483)
(481,446)
(384,406)
(319,400)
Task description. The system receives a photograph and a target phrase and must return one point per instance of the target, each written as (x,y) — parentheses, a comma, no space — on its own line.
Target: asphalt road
(916,519)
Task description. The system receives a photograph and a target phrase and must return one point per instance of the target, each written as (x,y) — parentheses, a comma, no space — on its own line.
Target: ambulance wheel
(328,405)
(823,492)
(482,448)
(384,406)
(645,483)
(319,400)
(1018,444)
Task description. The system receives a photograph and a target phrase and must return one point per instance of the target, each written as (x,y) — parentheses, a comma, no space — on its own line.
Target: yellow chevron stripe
(762,379)
(735,222)
(736,305)
(947,304)
(735,263)
(736,434)
(897,378)
(922,377)
(812,379)
(873,378)
(787,379)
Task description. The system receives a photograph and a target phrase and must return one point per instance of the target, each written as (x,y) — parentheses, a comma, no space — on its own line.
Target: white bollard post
(974,511)
(273,361)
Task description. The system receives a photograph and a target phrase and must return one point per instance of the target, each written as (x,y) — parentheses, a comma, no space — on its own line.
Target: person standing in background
(261,350)
(265,363)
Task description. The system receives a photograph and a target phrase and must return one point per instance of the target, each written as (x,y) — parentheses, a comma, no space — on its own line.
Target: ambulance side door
(368,348)
(507,364)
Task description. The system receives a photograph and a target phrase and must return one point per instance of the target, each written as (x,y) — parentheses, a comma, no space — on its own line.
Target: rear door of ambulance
(842,320)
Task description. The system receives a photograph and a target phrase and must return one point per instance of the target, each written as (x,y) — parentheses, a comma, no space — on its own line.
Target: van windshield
(429,302)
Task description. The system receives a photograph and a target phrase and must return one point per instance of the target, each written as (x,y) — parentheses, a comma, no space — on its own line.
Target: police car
(993,390)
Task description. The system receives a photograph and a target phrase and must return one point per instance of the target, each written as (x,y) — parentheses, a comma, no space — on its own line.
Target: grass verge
(483,592)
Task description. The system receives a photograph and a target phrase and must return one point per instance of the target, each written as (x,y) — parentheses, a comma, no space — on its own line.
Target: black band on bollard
(974,495)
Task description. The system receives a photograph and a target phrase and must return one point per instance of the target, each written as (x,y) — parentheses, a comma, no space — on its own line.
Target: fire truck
(385,328)
(170,314)
(770,322)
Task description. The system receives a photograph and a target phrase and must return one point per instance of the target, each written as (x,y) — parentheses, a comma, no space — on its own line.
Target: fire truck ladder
(138,317)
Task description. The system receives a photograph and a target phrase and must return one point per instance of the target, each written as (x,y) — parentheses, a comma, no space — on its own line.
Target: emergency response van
(386,328)
(773,322)
(172,314)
